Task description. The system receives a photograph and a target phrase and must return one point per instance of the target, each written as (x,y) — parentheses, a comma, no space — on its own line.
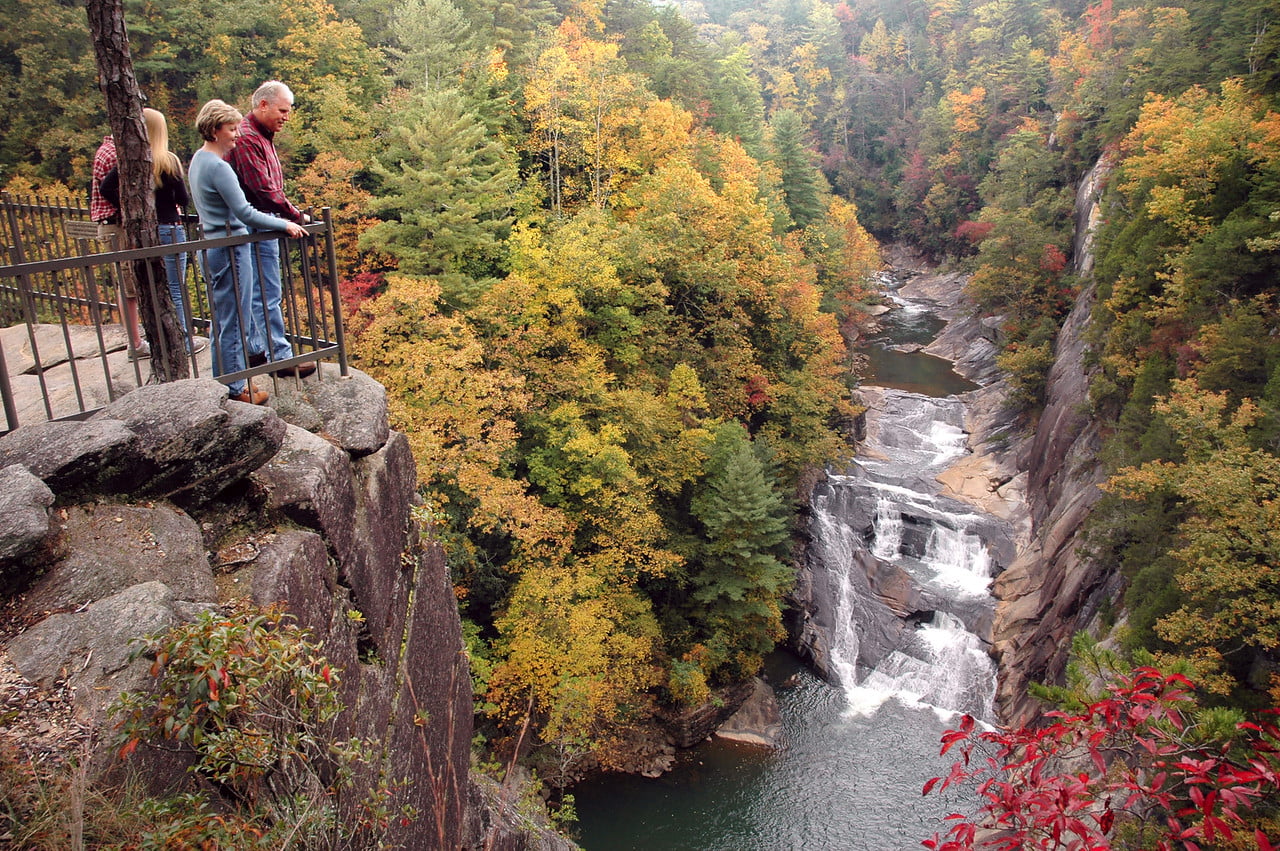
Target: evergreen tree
(446,196)
(434,44)
(803,186)
(736,577)
(736,105)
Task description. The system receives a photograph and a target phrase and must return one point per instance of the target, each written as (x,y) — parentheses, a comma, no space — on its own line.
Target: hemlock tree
(803,186)
(446,196)
(736,577)
(435,43)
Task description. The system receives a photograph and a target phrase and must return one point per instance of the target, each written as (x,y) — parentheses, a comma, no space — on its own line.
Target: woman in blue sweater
(224,211)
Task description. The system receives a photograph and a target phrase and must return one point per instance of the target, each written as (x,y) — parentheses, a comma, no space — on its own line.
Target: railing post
(6,395)
(332,259)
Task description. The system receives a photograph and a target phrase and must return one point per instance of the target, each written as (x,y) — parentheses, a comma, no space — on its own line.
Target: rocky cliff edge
(174,499)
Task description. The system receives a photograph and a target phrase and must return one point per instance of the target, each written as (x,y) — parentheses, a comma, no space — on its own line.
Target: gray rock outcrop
(24,507)
(173,498)
(1050,592)
(758,721)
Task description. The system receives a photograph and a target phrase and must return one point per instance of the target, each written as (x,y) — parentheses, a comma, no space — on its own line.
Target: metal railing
(63,351)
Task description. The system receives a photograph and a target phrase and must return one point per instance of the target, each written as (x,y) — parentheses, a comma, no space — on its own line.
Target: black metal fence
(64,351)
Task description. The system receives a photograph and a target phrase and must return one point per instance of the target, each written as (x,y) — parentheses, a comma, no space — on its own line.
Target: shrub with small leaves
(252,698)
(248,692)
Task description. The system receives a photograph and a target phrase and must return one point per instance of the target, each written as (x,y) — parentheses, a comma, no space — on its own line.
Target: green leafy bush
(251,698)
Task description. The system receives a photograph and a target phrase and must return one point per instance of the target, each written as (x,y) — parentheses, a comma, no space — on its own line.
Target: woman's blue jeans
(229,272)
(268,335)
(175,268)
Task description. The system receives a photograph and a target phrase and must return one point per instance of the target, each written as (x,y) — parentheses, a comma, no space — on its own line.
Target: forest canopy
(607,258)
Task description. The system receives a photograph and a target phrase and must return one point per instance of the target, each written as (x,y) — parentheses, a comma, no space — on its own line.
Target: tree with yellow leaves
(1227,546)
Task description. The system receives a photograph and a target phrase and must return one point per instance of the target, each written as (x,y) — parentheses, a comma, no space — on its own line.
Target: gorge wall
(173,499)
(1049,593)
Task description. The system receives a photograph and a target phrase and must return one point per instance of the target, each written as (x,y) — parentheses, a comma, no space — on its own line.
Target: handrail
(74,291)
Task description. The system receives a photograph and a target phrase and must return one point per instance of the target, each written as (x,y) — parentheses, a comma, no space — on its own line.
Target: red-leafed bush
(975,232)
(1134,758)
(358,289)
(1053,260)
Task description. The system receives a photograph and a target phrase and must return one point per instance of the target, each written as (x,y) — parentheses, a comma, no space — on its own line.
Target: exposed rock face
(95,640)
(758,721)
(1050,593)
(24,502)
(105,549)
(691,726)
(114,521)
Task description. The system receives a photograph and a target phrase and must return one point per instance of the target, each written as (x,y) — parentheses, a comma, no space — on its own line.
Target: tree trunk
(137,187)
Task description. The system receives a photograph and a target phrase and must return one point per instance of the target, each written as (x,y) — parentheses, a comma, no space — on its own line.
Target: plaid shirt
(100,209)
(257,166)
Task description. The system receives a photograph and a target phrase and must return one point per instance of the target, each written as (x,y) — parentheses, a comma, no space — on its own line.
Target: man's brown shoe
(250,396)
(302,370)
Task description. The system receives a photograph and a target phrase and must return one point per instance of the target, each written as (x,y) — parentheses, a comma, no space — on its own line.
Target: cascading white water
(939,663)
(844,633)
(960,558)
(950,672)
(888,530)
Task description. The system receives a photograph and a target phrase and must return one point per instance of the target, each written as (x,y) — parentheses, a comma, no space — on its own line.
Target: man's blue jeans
(229,272)
(175,268)
(268,334)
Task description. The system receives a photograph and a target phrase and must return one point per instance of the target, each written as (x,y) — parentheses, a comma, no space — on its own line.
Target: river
(858,749)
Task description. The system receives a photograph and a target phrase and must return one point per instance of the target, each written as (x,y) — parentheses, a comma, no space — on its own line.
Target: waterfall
(888,530)
(883,529)
(838,540)
(960,558)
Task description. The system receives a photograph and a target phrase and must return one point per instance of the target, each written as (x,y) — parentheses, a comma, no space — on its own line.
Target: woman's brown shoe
(250,396)
(302,370)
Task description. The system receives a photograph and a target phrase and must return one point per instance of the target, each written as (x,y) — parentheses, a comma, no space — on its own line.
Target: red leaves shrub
(1132,757)
(358,289)
(1053,260)
(758,392)
(975,232)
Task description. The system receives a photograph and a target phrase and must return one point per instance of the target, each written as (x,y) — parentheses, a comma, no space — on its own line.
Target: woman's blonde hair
(163,160)
(213,115)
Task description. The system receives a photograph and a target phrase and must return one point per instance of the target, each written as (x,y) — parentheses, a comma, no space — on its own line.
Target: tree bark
(137,188)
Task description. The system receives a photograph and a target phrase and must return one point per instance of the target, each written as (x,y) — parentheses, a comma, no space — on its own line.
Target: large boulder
(75,458)
(309,480)
(24,513)
(758,721)
(193,441)
(107,548)
(351,410)
(92,647)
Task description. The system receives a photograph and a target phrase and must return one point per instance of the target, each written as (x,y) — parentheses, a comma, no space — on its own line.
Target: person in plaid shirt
(107,215)
(257,166)
(101,210)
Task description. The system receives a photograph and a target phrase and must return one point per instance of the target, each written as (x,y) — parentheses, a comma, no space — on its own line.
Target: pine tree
(803,186)
(445,197)
(736,577)
(434,39)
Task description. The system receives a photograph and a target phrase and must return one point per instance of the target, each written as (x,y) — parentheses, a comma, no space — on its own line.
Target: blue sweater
(220,201)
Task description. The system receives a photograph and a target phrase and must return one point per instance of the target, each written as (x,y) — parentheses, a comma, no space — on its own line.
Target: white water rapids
(916,538)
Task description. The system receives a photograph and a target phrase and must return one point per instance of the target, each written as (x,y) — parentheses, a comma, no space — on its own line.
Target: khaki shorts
(113,236)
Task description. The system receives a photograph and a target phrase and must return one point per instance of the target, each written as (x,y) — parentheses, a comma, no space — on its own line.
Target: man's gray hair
(270,91)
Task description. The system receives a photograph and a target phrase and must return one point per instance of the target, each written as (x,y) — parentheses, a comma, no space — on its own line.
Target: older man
(257,166)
